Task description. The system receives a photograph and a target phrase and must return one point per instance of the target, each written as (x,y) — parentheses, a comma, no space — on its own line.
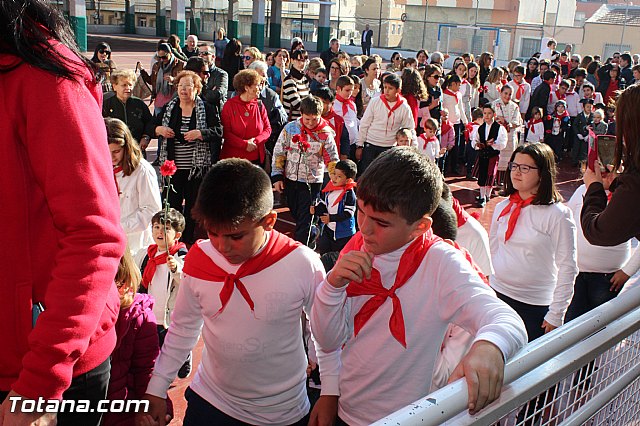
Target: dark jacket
(134,356)
(277,115)
(231,65)
(580,124)
(215,92)
(327,56)
(539,98)
(344,219)
(605,79)
(627,74)
(134,113)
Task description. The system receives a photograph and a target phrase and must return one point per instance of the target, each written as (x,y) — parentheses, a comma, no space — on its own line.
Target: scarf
(199,265)
(461,213)
(117,170)
(520,91)
(561,116)
(558,96)
(532,123)
(338,123)
(349,185)
(519,203)
(154,261)
(446,126)
(315,133)
(427,140)
(346,105)
(409,263)
(391,110)
(453,94)
(201,160)
(163,86)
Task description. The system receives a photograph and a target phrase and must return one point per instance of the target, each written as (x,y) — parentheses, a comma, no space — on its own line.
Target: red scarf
(519,203)
(427,140)
(531,125)
(558,97)
(391,110)
(315,133)
(154,261)
(461,213)
(337,126)
(409,263)
(521,89)
(446,126)
(350,184)
(117,170)
(346,104)
(452,93)
(199,265)
(503,82)
(561,116)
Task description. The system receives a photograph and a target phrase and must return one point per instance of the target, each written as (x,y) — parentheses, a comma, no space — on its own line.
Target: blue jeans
(532,315)
(590,290)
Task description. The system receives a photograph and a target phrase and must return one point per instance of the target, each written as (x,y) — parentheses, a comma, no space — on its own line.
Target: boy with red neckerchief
(390,297)
(334,120)
(245,290)
(299,158)
(337,208)
(346,108)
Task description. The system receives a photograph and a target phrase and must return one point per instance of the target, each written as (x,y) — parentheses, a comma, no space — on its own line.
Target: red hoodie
(61,229)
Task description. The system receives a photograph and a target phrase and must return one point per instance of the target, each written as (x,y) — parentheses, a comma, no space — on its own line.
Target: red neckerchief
(561,116)
(452,93)
(446,126)
(519,203)
(337,126)
(468,128)
(391,110)
(349,184)
(461,213)
(154,261)
(346,104)
(117,170)
(558,97)
(316,132)
(427,140)
(520,91)
(465,81)
(409,263)
(198,265)
(531,125)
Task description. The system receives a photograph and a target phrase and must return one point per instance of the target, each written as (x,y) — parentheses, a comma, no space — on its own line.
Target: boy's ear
(269,220)
(178,235)
(422,225)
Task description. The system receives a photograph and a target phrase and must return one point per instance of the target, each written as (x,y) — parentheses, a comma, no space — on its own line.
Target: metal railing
(586,372)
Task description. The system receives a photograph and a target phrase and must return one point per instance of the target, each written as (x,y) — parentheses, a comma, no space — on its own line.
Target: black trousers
(369,153)
(300,195)
(366,49)
(201,413)
(186,191)
(328,243)
(456,156)
(91,386)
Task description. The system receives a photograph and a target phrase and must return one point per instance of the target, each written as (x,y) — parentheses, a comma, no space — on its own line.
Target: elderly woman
(102,58)
(185,131)
(129,109)
(245,121)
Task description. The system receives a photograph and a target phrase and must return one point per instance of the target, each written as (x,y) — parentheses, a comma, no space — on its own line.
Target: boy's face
(429,132)
(239,244)
(587,92)
(321,77)
(562,89)
(326,106)
(455,87)
(487,115)
(597,119)
(338,178)
(636,75)
(345,92)
(402,140)
(588,108)
(384,232)
(310,121)
(158,235)
(390,92)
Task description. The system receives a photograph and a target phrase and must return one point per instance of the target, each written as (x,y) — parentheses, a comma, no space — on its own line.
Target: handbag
(141,89)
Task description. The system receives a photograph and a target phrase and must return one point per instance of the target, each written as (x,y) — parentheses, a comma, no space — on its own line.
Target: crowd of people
(298,330)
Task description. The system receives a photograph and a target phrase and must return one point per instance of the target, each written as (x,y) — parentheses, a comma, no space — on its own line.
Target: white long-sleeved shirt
(377,128)
(164,286)
(430,149)
(491,91)
(379,375)
(601,259)
(455,106)
(525,98)
(473,237)
(538,133)
(139,201)
(350,121)
(499,144)
(254,365)
(538,264)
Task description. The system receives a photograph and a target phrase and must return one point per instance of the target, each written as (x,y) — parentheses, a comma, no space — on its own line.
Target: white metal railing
(586,372)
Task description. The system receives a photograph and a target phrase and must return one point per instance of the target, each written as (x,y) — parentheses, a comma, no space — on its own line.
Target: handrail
(448,402)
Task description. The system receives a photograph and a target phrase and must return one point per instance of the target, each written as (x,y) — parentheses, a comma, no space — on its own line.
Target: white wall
(530,11)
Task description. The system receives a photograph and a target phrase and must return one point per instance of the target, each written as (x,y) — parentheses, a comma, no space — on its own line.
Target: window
(142,22)
(393,28)
(399,29)
(609,48)
(529,46)
(579,19)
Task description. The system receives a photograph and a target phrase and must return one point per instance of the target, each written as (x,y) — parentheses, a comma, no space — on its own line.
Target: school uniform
(511,113)
(387,366)
(581,141)
(340,204)
(452,102)
(535,131)
(429,147)
(473,237)
(253,368)
(491,91)
(521,94)
(487,163)
(346,108)
(534,261)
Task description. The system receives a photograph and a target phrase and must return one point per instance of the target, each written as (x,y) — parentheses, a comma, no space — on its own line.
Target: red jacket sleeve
(230,134)
(68,164)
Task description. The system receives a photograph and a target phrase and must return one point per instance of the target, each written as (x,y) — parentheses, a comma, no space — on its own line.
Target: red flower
(548,117)
(168,168)
(304,146)
(301,141)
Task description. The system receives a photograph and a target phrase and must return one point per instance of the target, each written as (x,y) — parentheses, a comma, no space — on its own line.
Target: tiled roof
(616,15)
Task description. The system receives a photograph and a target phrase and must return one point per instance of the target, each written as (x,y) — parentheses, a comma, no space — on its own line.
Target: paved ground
(129,50)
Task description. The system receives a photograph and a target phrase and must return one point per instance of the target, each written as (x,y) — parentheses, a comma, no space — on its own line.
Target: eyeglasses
(524,169)
(247,57)
(437,76)
(163,58)
(205,54)
(104,51)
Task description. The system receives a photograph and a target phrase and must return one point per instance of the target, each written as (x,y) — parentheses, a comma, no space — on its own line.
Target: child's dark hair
(393,80)
(404,131)
(322,71)
(445,221)
(347,167)
(431,124)
(401,181)
(311,105)
(451,78)
(536,110)
(549,75)
(232,191)
(519,69)
(565,83)
(476,113)
(173,217)
(545,161)
(324,93)
(344,80)
(489,106)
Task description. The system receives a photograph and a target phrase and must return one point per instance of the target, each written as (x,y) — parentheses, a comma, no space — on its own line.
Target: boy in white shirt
(345,107)
(387,364)
(248,285)
(521,90)
(428,143)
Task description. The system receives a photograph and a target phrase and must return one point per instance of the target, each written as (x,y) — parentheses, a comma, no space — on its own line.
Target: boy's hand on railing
(483,369)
